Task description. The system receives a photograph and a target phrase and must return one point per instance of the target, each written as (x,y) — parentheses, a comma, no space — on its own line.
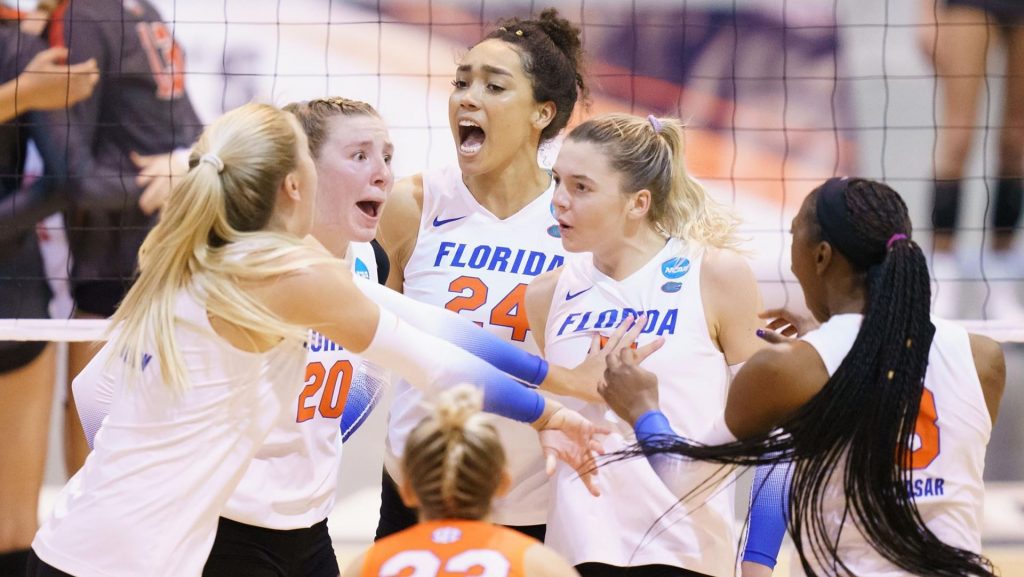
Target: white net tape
(79,330)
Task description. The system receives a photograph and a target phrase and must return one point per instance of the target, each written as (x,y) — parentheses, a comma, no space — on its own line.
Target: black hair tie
(837,228)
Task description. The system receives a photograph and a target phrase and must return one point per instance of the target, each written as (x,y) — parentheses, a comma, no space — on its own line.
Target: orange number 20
(336,383)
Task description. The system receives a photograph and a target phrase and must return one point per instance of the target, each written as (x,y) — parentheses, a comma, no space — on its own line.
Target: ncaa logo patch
(672,286)
(361,269)
(446,535)
(554,231)
(675,267)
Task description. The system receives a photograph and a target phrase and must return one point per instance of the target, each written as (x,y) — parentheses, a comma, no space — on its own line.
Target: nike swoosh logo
(439,222)
(569,296)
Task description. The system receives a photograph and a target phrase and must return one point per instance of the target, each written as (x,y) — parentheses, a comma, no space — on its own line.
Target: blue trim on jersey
(364,395)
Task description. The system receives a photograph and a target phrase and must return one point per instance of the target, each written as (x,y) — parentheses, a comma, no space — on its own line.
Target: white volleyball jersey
(471,262)
(292,481)
(164,463)
(952,433)
(637,520)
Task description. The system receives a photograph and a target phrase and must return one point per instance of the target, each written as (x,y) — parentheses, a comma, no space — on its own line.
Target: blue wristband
(651,426)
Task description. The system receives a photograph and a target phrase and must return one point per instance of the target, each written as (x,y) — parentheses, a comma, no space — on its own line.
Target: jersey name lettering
(496,258)
(658,322)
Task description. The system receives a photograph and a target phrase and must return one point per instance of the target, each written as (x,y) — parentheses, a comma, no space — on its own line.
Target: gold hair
(655,160)
(211,239)
(314,114)
(453,458)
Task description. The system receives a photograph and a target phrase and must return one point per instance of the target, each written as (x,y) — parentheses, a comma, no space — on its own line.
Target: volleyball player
(469,238)
(662,247)
(32,79)
(453,468)
(275,523)
(957,38)
(208,350)
(885,411)
(140,107)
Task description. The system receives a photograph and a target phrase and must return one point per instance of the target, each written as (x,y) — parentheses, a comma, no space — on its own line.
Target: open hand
(786,325)
(158,173)
(567,436)
(47,83)
(586,377)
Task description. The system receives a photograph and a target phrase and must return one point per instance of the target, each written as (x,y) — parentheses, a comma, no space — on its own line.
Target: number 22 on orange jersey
(424,563)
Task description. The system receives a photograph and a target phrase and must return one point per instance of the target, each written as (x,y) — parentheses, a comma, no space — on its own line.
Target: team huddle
(602,311)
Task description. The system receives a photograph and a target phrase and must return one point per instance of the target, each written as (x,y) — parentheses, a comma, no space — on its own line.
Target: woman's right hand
(629,390)
(583,381)
(786,324)
(47,83)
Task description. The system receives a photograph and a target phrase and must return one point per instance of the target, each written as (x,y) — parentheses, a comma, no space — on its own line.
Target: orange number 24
(509,312)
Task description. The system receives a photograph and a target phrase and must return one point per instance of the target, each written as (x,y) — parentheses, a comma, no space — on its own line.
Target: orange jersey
(451,548)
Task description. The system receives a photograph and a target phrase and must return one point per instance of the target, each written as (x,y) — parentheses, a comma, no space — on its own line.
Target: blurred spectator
(32,78)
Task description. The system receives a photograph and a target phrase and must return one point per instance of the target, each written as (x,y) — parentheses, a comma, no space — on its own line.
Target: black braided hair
(861,424)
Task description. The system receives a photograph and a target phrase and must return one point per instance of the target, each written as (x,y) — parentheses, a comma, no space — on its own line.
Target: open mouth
(370,208)
(471,137)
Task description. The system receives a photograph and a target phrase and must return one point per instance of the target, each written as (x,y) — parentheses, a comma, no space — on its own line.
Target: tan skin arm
(751,569)
(400,225)
(538,304)
(540,561)
(48,84)
(990,362)
(731,304)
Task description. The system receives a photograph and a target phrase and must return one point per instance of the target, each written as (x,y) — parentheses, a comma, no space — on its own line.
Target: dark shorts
(1004,12)
(602,570)
(104,247)
(24,294)
(395,516)
(242,550)
(38,568)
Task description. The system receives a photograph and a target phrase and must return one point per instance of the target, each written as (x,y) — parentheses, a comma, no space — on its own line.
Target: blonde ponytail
(650,154)
(689,212)
(453,458)
(210,238)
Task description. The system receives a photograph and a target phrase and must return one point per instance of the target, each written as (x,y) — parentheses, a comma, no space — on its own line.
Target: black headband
(837,229)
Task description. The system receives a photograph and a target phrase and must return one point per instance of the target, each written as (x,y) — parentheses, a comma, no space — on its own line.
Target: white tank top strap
(834,339)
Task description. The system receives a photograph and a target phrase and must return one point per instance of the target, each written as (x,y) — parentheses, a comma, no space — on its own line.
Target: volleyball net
(778,96)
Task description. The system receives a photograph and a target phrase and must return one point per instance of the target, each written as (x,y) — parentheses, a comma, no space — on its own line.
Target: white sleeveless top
(625,525)
(164,463)
(292,481)
(469,261)
(952,435)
